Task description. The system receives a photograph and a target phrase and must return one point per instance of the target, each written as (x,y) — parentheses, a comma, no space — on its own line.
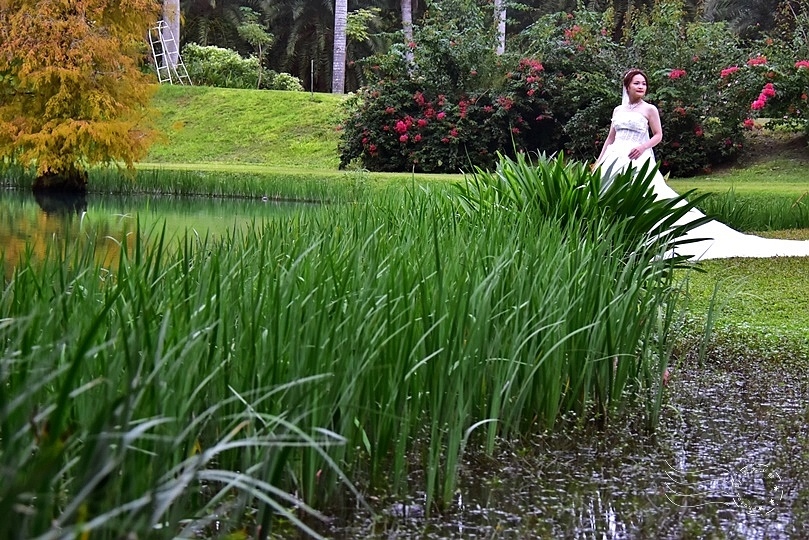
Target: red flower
(390,110)
(698,131)
(417,138)
(729,71)
(453,132)
(412,44)
(749,123)
(757,61)
(372,148)
(802,64)
(445,140)
(676,73)
(768,90)
(403,139)
(421,122)
(758,104)
(441,115)
(401,127)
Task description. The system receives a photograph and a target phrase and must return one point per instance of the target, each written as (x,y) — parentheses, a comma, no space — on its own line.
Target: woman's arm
(609,140)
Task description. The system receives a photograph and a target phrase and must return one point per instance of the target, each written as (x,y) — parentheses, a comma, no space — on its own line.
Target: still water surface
(36,224)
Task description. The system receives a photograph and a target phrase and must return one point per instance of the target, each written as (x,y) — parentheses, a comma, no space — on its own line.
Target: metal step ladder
(164,46)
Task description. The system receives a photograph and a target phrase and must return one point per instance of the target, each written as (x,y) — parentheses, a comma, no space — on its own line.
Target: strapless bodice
(630,127)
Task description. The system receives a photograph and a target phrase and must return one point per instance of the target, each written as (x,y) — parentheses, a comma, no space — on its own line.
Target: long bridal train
(718,240)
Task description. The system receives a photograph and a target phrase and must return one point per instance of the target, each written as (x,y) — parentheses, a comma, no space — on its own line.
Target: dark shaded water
(731,460)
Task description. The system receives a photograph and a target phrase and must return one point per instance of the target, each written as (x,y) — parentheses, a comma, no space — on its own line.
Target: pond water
(730,460)
(36,223)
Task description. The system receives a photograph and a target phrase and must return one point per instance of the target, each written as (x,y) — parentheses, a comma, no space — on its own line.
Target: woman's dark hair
(629,75)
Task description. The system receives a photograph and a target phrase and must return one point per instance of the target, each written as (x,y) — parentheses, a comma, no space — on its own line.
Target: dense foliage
(73,91)
(370,343)
(225,68)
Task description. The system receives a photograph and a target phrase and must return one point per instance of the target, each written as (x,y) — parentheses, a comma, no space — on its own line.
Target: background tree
(338,77)
(171,14)
(73,94)
(255,33)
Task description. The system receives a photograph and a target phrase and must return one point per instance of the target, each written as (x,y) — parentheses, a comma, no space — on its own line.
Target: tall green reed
(243,379)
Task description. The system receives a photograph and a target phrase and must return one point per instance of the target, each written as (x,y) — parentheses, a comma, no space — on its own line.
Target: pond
(730,460)
(41,222)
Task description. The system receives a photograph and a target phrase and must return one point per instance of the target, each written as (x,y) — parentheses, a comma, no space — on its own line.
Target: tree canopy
(72,92)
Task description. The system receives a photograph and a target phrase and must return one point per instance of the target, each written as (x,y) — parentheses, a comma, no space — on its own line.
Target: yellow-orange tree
(72,93)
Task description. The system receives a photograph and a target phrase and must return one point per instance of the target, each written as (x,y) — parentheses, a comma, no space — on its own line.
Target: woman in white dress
(629,144)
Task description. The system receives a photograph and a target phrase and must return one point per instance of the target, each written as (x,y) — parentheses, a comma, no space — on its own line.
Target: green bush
(582,68)
(701,115)
(225,68)
(445,104)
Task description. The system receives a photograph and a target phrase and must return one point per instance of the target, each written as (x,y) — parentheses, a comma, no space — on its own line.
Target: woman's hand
(636,152)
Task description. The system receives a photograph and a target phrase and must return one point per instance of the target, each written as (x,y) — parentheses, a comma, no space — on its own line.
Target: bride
(629,144)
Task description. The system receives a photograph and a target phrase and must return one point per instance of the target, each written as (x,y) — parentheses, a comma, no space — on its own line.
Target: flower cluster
(728,71)
(802,64)
(757,61)
(761,101)
(677,73)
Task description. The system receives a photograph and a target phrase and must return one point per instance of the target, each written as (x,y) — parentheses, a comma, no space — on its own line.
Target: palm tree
(338,72)
(500,20)
(171,15)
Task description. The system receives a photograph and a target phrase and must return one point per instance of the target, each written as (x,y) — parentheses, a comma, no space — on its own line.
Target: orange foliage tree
(72,93)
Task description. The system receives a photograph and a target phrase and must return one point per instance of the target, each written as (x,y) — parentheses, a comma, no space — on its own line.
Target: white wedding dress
(719,240)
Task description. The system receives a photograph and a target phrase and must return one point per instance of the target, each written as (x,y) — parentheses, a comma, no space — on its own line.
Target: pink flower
(698,131)
(515,130)
(412,45)
(676,73)
(417,138)
(390,110)
(441,115)
(768,90)
(365,140)
(453,132)
(422,122)
(372,148)
(802,64)
(488,109)
(473,72)
(530,92)
(445,140)
(749,123)
(758,104)
(401,127)
(729,71)
(403,139)
(757,61)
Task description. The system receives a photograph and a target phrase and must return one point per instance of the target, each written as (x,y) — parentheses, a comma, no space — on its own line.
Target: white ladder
(166,53)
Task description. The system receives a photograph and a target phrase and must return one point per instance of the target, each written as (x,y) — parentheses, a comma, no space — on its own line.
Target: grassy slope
(260,132)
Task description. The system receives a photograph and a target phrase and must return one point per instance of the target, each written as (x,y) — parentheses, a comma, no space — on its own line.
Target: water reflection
(32,225)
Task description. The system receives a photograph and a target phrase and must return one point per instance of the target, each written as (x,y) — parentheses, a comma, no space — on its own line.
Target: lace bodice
(630,127)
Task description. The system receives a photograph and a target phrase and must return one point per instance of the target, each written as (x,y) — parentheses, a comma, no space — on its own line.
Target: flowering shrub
(401,125)
(454,106)
(581,63)
(690,66)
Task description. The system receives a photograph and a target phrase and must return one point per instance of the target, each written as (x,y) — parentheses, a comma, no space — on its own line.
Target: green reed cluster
(194,387)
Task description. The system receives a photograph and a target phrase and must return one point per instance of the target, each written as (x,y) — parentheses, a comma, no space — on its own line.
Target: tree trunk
(500,19)
(338,78)
(407,26)
(73,180)
(171,14)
